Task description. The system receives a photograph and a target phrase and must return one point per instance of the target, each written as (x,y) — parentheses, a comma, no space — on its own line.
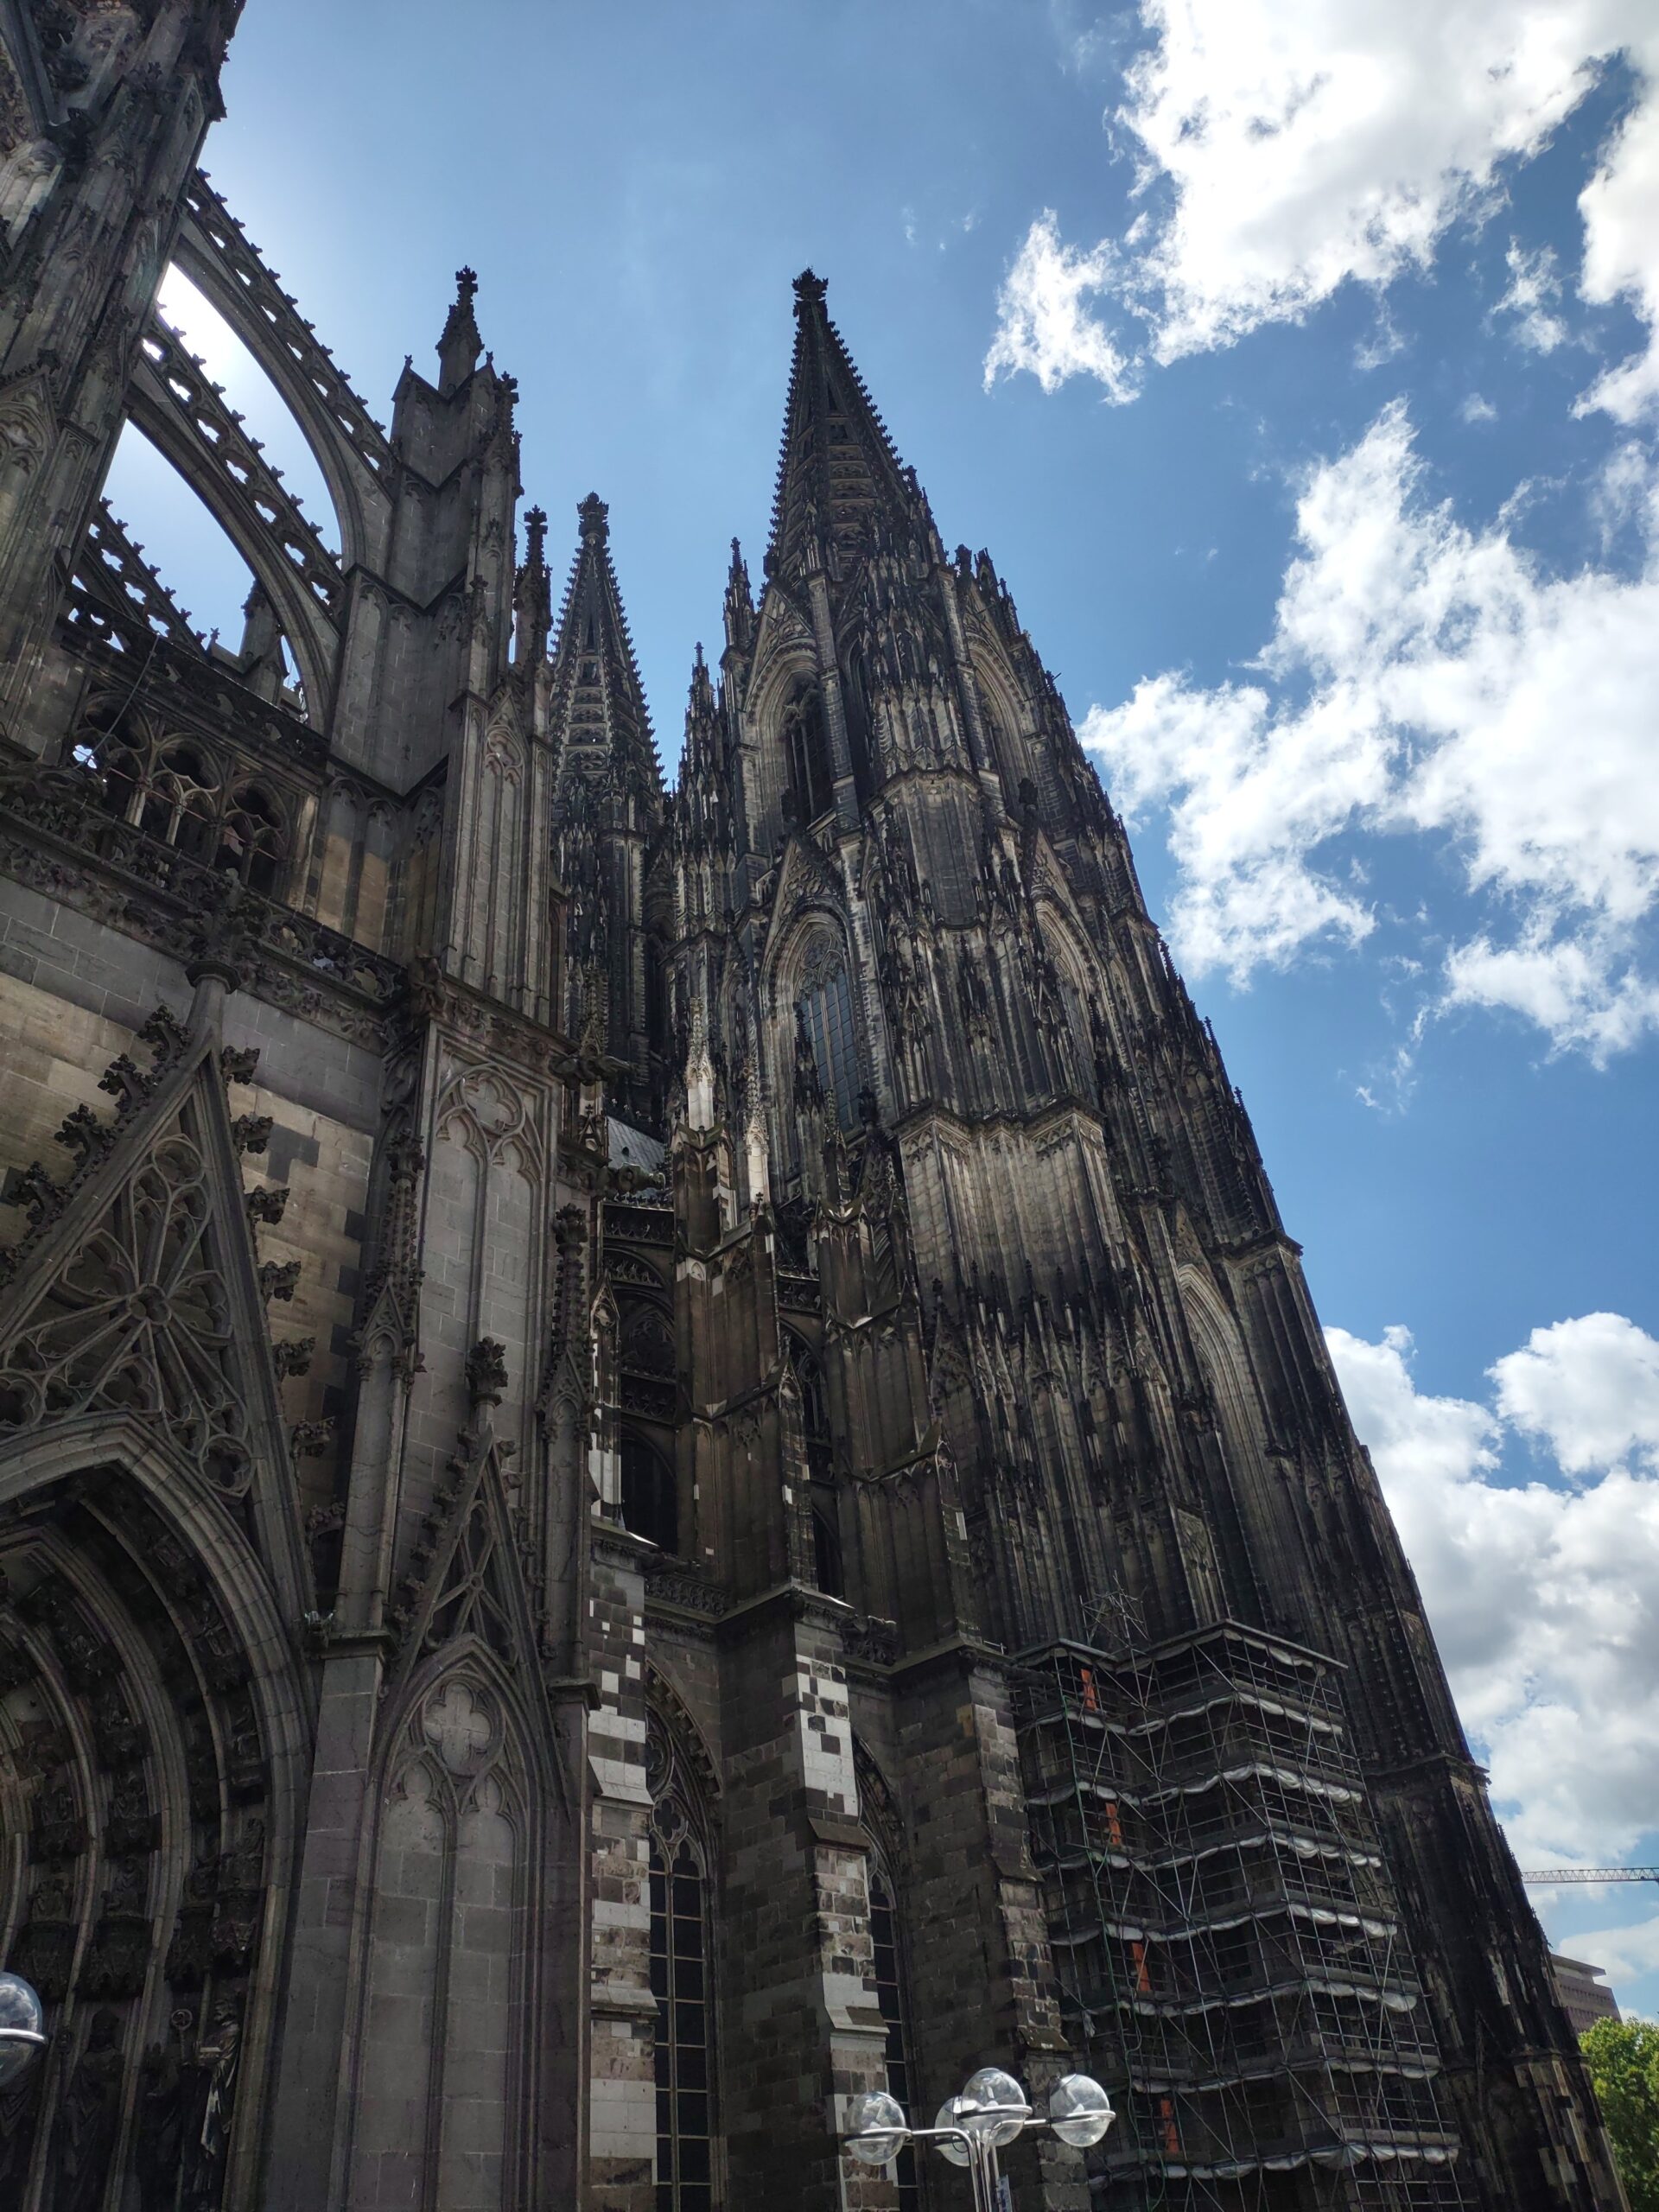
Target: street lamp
(971,2129)
(22,2023)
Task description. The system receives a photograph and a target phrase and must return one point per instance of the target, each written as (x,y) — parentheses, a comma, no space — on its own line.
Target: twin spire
(840,482)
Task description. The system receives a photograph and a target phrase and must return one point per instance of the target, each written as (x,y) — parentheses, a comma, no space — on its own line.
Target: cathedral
(662,1458)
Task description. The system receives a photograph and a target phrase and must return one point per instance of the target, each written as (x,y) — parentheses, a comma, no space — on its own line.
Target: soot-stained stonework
(661,1455)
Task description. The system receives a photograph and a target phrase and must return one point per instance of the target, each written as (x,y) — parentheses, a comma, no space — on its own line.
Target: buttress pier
(661,1454)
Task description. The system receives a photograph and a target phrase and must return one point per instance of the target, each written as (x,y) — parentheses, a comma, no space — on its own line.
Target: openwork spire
(599,704)
(838,476)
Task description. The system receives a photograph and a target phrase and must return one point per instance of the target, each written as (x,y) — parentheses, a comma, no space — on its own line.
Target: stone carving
(139,1320)
(83,2141)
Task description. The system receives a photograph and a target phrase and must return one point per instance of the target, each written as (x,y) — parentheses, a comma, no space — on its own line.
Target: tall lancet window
(826,1006)
(890,1995)
(811,790)
(682,1984)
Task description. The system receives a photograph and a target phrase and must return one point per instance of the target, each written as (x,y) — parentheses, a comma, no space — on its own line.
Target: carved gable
(138,1290)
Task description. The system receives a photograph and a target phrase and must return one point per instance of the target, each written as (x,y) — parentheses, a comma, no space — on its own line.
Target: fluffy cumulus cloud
(1284,147)
(1542,1583)
(1428,679)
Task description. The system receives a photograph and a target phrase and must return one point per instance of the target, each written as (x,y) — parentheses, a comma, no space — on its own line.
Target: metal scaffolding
(1224,1932)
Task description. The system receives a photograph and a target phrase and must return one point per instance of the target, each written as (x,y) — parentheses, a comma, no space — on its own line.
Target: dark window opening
(890,1996)
(650,1504)
(826,1007)
(826,1554)
(679,1982)
(806,756)
(814,1410)
(855,696)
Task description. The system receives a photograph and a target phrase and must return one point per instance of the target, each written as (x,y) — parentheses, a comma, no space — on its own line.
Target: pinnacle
(460,345)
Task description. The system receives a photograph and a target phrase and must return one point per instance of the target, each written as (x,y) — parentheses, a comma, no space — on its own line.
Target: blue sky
(1295,361)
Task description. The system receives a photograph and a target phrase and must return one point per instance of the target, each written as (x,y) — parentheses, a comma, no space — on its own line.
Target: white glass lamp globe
(22,2024)
(947,2146)
(993,2105)
(1079,2110)
(879,2120)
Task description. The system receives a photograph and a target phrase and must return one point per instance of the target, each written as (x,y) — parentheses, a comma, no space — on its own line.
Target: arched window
(861,724)
(645,1343)
(252,842)
(167,788)
(806,758)
(890,1996)
(826,1554)
(682,1982)
(814,1408)
(825,1006)
(650,1501)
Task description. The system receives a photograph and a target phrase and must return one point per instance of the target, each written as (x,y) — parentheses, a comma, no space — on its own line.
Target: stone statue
(207,2132)
(83,2142)
(158,2137)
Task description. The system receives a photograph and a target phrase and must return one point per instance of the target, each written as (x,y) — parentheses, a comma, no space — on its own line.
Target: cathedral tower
(661,1456)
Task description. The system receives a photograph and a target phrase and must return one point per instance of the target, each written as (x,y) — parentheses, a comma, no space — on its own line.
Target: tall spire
(599,714)
(838,472)
(460,347)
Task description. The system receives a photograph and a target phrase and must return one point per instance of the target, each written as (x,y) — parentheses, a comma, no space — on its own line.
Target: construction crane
(1541,1875)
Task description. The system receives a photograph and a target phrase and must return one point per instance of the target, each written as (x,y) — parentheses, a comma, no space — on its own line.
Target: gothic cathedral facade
(661,1454)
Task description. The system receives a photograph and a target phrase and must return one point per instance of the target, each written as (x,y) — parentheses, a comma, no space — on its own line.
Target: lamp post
(971,2129)
(22,2025)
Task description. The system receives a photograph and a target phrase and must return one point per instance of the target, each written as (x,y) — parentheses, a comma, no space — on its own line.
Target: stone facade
(661,1456)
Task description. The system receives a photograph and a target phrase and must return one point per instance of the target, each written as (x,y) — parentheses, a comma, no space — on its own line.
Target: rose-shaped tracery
(140,1319)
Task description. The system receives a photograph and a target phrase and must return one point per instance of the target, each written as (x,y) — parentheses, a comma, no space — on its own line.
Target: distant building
(1585,1996)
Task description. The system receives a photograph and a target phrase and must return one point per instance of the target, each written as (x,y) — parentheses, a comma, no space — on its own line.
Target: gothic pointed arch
(887,1868)
(682,1874)
(471,1581)
(456,1887)
(137,1287)
(153,1729)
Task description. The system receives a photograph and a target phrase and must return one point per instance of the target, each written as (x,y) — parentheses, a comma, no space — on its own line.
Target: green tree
(1623,2056)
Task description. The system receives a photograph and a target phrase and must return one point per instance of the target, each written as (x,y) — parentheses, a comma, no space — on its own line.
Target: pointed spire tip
(809,291)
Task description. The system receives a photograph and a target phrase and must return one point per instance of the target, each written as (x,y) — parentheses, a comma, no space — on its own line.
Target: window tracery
(175,789)
(890,1993)
(825,1006)
(681,1981)
(811,790)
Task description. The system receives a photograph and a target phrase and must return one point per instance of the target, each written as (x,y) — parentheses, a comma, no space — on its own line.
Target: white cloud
(1042,323)
(1284,148)
(1620,206)
(1476,410)
(1534,288)
(1544,1597)
(1588,1390)
(1426,678)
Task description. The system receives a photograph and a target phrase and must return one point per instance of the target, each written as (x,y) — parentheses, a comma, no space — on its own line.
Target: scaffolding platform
(1224,1932)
